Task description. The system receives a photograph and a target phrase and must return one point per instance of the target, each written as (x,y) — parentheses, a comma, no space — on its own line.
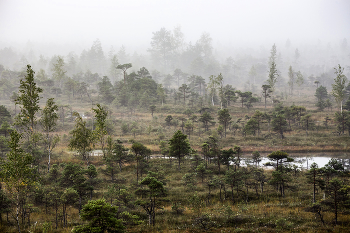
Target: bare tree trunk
(17,214)
(56,207)
(79,203)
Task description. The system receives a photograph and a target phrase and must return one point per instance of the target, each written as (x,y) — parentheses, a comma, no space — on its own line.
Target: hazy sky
(132,22)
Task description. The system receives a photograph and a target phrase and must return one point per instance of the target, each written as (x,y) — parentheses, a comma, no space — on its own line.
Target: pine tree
(224,118)
(101,217)
(179,146)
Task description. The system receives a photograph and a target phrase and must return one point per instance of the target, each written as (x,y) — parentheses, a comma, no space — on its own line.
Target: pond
(304,160)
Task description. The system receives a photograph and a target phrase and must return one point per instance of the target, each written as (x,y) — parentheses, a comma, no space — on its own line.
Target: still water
(304,160)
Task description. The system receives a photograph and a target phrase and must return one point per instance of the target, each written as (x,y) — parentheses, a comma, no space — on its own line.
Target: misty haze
(174,116)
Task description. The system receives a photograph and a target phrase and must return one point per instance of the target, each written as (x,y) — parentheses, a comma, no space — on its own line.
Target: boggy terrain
(50,182)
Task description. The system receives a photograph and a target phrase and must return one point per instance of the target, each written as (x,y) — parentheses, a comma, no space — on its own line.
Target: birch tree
(49,121)
(212,85)
(273,73)
(339,85)
(100,131)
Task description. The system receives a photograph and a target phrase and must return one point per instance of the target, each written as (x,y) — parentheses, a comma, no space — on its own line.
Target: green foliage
(201,171)
(189,181)
(69,196)
(28,98)
(179,146)
(256,157)
(184,90)
(120,155)
(168,120)
(105,90)
(321,95)
(266,90)
(49,116)
(206,118)
(54,174)
(337,197)
(177,208)
(137,92)
(5,128)
(338,88)
(17,173)
(314,176)
(161,93)
(141,153)
(280,179)
(100,131)
(307,122)
(279,124)
(73,177)
(164,148)
(155,190)
(101,218)
(229,95)
(5,115)
(58,70)
(125,128)
(273,73)
(71,87)
(291,80)
(117,155)
(224,118)
(247,98)
(124,68)
(91,171)
(279,157)
(333,167)
(152,108)
(212,87)
(163,45)
(328,104)
(81,139)
(300,80)
(343,121)
(251,126)
(220,131)
(189,127)
(234,179)
(49,122)
(237,191)
(347,105)
(140,150)
(227,157)
(3,146)
(214,151)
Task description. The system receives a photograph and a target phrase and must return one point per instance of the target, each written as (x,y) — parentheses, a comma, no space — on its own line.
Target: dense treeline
(171,60)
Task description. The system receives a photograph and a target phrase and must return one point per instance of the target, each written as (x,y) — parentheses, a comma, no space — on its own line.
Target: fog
(242,30)
(132,22)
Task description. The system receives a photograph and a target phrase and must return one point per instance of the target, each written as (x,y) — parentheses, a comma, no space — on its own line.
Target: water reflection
(304,160)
